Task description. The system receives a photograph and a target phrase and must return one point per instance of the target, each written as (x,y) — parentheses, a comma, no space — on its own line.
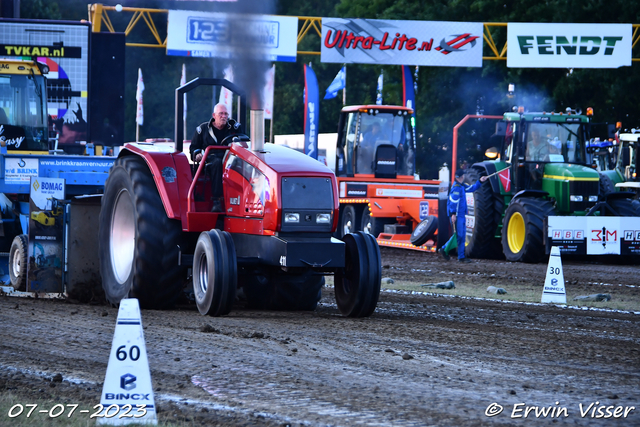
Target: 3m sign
(569,45)
(594,235)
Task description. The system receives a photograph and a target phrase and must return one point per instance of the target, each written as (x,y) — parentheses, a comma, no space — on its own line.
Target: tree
(39,9)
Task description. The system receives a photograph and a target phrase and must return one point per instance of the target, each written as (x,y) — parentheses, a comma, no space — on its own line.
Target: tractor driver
(537,149)
(209,133)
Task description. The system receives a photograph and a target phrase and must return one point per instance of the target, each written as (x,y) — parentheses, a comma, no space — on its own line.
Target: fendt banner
(532,45)
(220,35)
(376,41)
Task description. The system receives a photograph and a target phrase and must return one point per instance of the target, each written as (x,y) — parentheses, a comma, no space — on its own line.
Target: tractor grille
(311,199)
(584,189)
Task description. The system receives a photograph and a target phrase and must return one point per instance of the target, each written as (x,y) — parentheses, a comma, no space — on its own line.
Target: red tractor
(274,238)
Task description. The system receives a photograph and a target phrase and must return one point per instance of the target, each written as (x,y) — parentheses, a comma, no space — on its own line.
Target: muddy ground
(420,360)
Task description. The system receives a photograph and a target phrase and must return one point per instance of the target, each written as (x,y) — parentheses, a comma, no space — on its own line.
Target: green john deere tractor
(619,164)
(544,193)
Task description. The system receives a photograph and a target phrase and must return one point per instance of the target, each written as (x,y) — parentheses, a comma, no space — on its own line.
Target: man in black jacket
(209,133)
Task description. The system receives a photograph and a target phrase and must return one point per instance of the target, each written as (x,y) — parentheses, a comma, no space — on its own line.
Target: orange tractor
(379,191)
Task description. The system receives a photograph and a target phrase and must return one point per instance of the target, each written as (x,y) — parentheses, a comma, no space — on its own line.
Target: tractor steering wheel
(238,138)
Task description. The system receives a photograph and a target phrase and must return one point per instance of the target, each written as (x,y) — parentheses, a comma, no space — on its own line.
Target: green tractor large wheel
(486,212)
(523,229)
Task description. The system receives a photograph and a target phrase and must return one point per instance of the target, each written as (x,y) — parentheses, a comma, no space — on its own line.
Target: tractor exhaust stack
(257,129)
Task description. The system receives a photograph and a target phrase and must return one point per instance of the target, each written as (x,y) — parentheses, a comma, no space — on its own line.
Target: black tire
(18,254)
(373,225)
(348,221)
(487,214)
(214,273)
(138,243)
(606,185)
(293,291)
(357,285)
(523,229)
(626,207)
(424,231)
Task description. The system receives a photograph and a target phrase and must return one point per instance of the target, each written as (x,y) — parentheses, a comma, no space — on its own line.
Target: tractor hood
(570,172)
(287,160)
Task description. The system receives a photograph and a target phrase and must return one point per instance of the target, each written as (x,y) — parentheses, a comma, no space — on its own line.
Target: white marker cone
(128,380)
(554,290)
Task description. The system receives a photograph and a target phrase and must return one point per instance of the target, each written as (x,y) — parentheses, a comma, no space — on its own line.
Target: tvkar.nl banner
(532,45)
(220,35)
(376,41)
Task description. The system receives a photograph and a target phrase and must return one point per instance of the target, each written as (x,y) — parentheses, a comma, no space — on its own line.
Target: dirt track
(419,360)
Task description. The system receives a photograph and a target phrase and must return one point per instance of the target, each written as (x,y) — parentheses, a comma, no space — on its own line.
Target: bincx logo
(128,382)
(561,45)
(456,43)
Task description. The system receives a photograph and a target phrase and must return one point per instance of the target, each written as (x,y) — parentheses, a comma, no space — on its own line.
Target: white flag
(226,96)
(139,90)
(268,92)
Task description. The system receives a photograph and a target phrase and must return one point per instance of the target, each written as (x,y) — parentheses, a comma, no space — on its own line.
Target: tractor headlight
(323,218)
(575,198)
(593,198)
(292,217)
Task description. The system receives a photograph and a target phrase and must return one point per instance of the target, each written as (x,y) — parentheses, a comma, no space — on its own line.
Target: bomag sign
(569,45)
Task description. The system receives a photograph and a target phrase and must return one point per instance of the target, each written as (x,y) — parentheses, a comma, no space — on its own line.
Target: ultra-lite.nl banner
(376,41)
(568,45)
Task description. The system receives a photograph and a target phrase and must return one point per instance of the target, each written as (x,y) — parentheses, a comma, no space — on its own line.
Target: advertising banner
(220,35)
(376,41)
(46,207)
(64,48)
(595,235)
(568,45)
(311,112)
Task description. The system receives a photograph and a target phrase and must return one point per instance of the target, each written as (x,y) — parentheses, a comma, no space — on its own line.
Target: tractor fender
(530,193)
(171,172)
(489,168)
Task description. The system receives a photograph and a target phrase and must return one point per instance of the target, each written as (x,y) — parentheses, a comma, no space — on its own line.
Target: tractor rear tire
(18,255)
(374,225)
(293,291)
(357,285)
(215,274)
(138,243)
(487,213)
(523,229)
(424,231)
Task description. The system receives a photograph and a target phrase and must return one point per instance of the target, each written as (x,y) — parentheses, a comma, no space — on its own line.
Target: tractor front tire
(523,229)
(487,213)
(606,185)
(357,285)
(374,225)
(215,274)
(18,262)
(348,221)
(625,207)
(138,243)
